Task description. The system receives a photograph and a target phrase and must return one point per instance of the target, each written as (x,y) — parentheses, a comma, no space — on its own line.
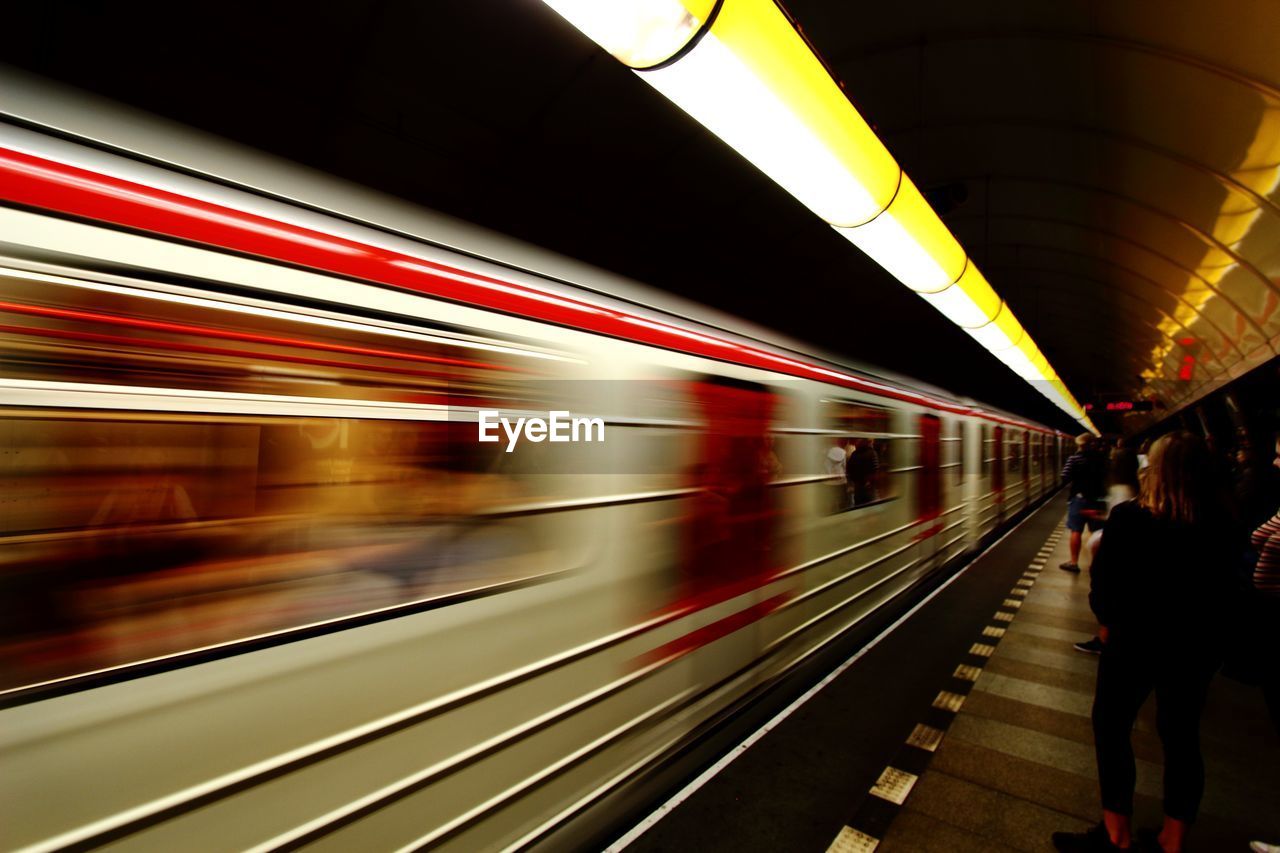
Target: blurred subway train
(264,588)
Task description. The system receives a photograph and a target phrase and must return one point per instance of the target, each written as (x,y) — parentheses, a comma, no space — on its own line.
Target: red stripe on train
(700,637)
(50,185)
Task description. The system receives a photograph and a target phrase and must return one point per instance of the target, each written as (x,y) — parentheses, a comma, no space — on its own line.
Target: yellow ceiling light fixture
(969,303)
(772,101)
(639,33)
(740,68)
(909,240)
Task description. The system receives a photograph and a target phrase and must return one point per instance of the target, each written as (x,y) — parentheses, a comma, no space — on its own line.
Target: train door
(1025,471)
(1042,459)
(729,528)
(929,486)
(974,478)
(729,538)
(997,469)
(1033,466)
(928,496)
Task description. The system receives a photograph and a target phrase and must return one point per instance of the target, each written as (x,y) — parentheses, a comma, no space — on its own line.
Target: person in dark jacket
(1162,583)
(1122,473)
(1257,484)
(1085,474)
(1266,579)
(860,471)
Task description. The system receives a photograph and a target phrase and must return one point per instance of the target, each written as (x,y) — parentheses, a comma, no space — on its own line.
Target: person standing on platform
(1122,474)
(1162,587)
(1257,485)
(1266,579)
(1085,475)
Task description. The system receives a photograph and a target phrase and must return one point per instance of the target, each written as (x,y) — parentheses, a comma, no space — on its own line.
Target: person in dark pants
(1122,485)
(1266,579)
(1162,584)
(1085,474)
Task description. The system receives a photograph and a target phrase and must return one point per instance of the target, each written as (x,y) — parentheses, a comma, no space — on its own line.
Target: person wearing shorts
(1085,474)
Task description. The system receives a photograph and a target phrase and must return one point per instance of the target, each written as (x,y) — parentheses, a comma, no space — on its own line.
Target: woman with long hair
(1162,584)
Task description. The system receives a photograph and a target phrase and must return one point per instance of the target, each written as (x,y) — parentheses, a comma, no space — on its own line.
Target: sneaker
(1263,847)
(1096,840)
(1092,647)
(1070,567)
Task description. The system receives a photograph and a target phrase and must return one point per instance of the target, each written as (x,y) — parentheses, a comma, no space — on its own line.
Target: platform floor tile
(1017,763)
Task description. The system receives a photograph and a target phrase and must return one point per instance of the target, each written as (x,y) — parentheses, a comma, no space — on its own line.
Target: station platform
(965,727)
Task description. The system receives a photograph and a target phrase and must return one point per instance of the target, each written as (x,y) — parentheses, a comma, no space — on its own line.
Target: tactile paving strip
(889,794)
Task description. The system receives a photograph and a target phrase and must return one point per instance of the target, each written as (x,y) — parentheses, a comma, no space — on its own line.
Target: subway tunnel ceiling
(1113,167)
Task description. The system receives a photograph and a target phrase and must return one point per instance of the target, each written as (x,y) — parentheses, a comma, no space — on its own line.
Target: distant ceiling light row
(740,68)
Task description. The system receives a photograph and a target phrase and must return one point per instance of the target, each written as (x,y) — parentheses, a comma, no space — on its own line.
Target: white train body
(255,648)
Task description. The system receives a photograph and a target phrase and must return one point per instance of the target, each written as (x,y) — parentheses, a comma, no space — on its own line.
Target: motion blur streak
(56,186)
(261,585)
(63,313)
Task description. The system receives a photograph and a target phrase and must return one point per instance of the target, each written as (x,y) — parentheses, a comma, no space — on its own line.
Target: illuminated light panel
(752,80)
(639,33)
(1001,333)
(969,303)
(910,241)
(1016,360)
(764,40)
(714,87)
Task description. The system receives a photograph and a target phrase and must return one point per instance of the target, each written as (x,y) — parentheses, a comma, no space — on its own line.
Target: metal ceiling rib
(1116,267)
(1203,236)
(897,137)
(1022,271)
(1137,244)
(1066,224)
(1252,344)
(1144,145)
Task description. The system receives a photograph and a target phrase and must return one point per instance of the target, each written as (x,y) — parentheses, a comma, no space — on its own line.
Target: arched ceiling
(1122,162)
(1113,165)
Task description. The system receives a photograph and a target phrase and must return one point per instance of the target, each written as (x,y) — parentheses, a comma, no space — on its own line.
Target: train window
(859,456)
(131,337)
(959,445)
(1015,455)
(250,472)
(133,536)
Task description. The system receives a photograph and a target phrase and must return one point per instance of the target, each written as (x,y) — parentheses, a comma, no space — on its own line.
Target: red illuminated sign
(1122,406)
